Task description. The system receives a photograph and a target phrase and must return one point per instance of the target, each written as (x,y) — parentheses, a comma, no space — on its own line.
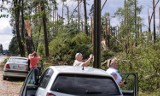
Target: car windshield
(85,85)
(18,60)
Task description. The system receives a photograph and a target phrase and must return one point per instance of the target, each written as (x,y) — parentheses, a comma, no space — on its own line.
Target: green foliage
(4,15)
(71,28)
(145,61)
(128,32)
(4,62)
(64,49)
(106,54)
(80,38)
(81,43)
(13,46)
(65,40)
(41,49)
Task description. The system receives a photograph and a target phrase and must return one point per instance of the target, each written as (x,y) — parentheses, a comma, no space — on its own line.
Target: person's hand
(122,83)
(29,55)
(91,56)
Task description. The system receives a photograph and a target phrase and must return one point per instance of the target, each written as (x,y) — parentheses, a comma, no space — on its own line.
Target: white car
(15,67)
(70,81)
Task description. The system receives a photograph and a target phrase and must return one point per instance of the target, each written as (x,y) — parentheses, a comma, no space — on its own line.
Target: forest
(37,25)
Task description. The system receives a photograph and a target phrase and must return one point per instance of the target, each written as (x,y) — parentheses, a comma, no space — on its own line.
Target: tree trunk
(107,35)
(22,29)
(29,45)
(78,15)
(85,17)
(62,9)
(136,31)
(17,15)
(67,14)
(127,28)
(149,28)
(45,31)
(91,31)
(159,21)
(150,18)
(154,23)
(29,40)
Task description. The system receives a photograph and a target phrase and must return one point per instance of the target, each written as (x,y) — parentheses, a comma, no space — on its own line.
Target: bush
(145,61)
(64,49)
(4,62)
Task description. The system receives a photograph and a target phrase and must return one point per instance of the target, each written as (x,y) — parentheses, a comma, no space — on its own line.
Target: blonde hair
(110,61)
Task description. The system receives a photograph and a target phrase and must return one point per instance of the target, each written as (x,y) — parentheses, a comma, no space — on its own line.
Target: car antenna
(82,67)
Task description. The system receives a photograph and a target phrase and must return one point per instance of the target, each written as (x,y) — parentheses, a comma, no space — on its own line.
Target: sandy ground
(11,86)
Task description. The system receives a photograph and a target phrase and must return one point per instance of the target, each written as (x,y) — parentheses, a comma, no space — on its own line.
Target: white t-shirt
(78,63)
(111,71)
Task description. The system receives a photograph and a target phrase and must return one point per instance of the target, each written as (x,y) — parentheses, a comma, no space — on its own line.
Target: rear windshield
(18,60)
(85,85)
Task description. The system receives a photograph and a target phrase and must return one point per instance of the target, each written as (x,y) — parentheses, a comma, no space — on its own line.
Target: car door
(29,87)
(44,82)
(131,86)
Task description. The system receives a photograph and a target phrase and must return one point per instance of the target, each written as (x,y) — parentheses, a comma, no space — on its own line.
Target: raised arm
(87,62)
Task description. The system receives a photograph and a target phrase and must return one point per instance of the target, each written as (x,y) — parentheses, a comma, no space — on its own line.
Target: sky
(110,6)
(5,29)
(5,32)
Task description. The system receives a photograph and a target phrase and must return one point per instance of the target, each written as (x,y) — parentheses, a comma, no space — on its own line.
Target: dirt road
(10,87)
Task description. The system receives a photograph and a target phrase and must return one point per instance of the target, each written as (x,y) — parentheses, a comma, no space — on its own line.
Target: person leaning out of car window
(113,70)
(34,59)
(79,60)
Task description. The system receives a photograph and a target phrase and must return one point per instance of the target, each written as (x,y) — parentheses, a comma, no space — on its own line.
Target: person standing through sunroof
(80,62)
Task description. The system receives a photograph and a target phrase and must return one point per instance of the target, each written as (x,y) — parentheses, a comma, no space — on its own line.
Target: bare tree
(154,23)
(45,29)
(150,18)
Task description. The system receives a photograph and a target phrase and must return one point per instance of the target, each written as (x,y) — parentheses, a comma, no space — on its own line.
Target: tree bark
(85,17)
(78,14)
(17,15)
(159,21)
(107,35)
(154,23)
(45,31)
(136,31)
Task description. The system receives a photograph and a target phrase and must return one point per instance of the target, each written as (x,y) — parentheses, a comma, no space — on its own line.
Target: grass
(151,93)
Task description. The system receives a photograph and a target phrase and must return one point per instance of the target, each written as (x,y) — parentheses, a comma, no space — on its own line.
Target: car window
(18,60)
(45,78)
(85,84)
(32,78)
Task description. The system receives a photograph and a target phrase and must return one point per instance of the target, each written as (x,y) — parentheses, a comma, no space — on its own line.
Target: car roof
(18,57)
(79,70)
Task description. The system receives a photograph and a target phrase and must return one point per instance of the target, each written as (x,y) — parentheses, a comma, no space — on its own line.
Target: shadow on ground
(13,79)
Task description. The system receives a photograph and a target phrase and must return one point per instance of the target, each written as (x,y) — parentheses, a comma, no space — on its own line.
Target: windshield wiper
(92,92)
